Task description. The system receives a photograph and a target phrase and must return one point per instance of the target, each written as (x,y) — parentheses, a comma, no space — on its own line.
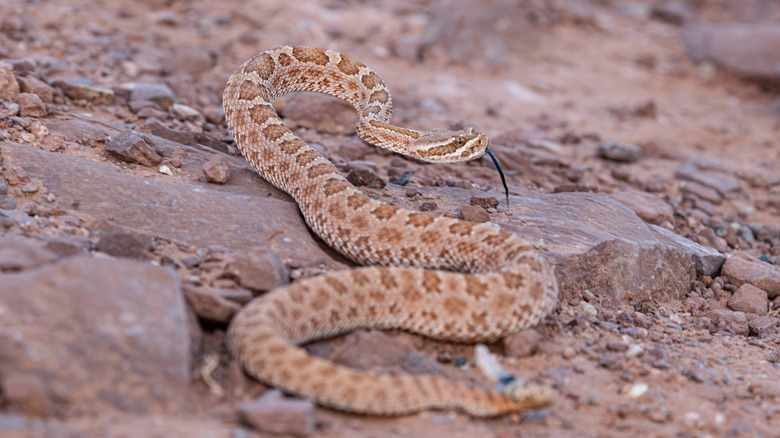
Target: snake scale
(443,278)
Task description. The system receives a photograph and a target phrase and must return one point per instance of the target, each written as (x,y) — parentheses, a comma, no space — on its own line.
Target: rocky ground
(640,144)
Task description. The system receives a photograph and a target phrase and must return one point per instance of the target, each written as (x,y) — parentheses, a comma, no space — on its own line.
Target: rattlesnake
(444,278)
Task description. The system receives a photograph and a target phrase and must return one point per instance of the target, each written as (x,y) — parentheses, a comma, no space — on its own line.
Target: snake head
(445,146)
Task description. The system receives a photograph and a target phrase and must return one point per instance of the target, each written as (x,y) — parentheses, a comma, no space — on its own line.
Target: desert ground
(640,145)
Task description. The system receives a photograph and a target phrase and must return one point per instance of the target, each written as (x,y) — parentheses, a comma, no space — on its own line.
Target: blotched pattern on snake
(440,277)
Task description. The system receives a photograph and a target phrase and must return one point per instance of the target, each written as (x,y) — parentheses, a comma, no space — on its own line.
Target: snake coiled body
(440,277)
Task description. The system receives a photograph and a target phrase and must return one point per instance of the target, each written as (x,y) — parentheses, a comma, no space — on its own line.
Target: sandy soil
(593,71)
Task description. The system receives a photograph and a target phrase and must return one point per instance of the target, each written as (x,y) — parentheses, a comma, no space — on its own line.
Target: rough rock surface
(746,269)
(182,213)
(131,148)
(749,49)
(276,414)
(129,316)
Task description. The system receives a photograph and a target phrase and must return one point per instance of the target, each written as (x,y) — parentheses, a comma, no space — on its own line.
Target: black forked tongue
(500,172)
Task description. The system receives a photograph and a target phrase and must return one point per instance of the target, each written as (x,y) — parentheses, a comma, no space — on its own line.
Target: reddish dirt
(594,73)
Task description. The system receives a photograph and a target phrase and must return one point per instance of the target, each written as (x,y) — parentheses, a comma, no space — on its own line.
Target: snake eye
(460,141)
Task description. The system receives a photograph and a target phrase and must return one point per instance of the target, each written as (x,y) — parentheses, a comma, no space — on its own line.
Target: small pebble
(403,179)
(746,234)
(428,206)
(216,169)
(541,245)
(588,308)
(622,153)
(30,187)
(472,213)
(634,350)
(637,390)
(165,170)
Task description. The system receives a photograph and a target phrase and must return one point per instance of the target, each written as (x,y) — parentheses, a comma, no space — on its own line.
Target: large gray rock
(248,213)
(84,334)
(748,49)
(601,245)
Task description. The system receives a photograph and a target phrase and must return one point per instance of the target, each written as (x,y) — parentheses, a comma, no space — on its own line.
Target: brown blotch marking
(357,379)
(384,212)
(384,254)
(276,349)
(284,59)
(377,296)
(409,252)
(466,247)
(281,308)
(380,96)
(392,235)
(380,396)
(302,362)
(513,280)
(360,278)
(387,279)
(495,239)
(348,393)
(352,312)
(334,317)
(429,315)
(261,113)
(310,54)
(411,295)
(306,158)
(296,295)
(356,200)
(285,375)
(371,80)
(319,299)
(318,170)
(373,109)
(431,281)
(274,132)
(461,228)
(475,287)
(248,90)
(337,211)
(348,65)
(431,237)
(337,285)
(263,64)
(318,387)
(420,220)
(335,185)
(455,306)
(325,83)
(402,131)
(291,147)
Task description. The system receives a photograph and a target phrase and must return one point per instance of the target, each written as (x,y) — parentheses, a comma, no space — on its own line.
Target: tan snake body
(443,278)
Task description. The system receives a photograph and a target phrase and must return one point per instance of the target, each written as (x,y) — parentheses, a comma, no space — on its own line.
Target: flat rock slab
(82,333)
(197,214)
(601,245)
